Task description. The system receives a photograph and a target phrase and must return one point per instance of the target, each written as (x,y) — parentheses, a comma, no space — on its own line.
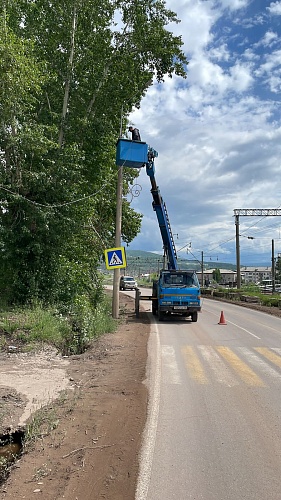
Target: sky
(217,133)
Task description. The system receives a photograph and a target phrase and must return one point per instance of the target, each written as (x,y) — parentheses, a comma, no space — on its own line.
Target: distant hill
(143,254)
(141,262)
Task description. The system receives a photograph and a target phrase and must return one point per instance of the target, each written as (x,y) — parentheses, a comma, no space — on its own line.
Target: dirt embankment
(89,437)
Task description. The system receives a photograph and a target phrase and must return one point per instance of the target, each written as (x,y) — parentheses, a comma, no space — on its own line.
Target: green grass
(69,330)
(270,300)
(34,325)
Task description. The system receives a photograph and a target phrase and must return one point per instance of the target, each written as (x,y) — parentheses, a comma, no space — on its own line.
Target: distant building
(255,274)
(249,274)
(228,277)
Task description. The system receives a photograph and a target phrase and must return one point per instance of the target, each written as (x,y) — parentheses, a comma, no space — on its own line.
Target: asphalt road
(214,418)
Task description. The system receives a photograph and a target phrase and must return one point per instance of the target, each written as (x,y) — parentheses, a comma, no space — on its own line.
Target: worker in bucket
(135,133)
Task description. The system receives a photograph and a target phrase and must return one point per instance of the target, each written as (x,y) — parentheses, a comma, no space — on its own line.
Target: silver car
(127,283)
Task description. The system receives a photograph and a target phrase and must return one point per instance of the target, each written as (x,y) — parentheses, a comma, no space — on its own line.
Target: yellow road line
(194,366)
(243,370)
(267,353)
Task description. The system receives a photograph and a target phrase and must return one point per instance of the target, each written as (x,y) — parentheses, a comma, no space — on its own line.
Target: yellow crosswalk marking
(243,370)
(271,356)
(194,365)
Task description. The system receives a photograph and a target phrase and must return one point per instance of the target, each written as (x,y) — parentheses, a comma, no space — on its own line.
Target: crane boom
(162,215)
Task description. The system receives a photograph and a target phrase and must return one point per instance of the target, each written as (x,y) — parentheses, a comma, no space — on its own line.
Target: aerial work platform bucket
(131,153)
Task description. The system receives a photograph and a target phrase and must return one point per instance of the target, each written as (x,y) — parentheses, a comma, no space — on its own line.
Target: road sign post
(115,259)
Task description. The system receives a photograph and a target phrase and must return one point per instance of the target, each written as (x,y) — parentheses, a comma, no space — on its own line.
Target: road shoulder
(92,450)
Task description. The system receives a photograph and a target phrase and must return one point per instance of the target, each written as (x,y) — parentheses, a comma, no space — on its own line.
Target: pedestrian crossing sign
(115,258)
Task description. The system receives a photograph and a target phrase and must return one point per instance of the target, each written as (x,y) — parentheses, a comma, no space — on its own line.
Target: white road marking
(277,349)
(259,363)
(217,365)
(149,437)
(244,330)
(237,326)
(171,374)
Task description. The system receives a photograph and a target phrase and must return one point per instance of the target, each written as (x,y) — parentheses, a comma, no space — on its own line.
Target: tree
(278,269)
(216,275)
(69,71)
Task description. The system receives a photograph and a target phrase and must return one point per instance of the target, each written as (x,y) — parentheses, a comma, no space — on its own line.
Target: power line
(55,205)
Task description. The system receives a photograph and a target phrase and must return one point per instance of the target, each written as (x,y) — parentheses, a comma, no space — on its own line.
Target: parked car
(127,283)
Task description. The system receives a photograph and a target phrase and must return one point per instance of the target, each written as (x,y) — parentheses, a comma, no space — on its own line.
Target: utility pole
(272,266)
(259,212)
(118,229)
(238,271)
(202,269)
(116,278)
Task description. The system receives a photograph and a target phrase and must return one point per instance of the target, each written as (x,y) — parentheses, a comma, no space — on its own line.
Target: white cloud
(241,77)
(197,19)
(269,37)
(220,53)
(234,4)
(274,83)
(218,133)
(272,63)
(275,8)
(250,55)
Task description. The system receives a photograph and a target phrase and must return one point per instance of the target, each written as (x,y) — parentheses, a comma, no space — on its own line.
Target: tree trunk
(68,77)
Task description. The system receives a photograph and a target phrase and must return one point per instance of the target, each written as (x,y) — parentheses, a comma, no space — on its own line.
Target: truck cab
(178,293)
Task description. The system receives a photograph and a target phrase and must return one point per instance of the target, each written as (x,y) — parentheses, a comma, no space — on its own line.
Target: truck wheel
(194,317)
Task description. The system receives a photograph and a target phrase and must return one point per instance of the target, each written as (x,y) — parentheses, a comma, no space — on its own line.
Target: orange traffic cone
(222,319)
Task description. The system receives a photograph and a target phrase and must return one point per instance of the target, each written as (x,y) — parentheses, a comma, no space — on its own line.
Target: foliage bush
(87,322)
(269,300)
(70,331)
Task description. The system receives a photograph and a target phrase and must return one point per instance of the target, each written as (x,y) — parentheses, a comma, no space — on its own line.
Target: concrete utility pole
(202,269)
(272,266)
(259,212)
(116,278)
(238,270)
(131,154)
